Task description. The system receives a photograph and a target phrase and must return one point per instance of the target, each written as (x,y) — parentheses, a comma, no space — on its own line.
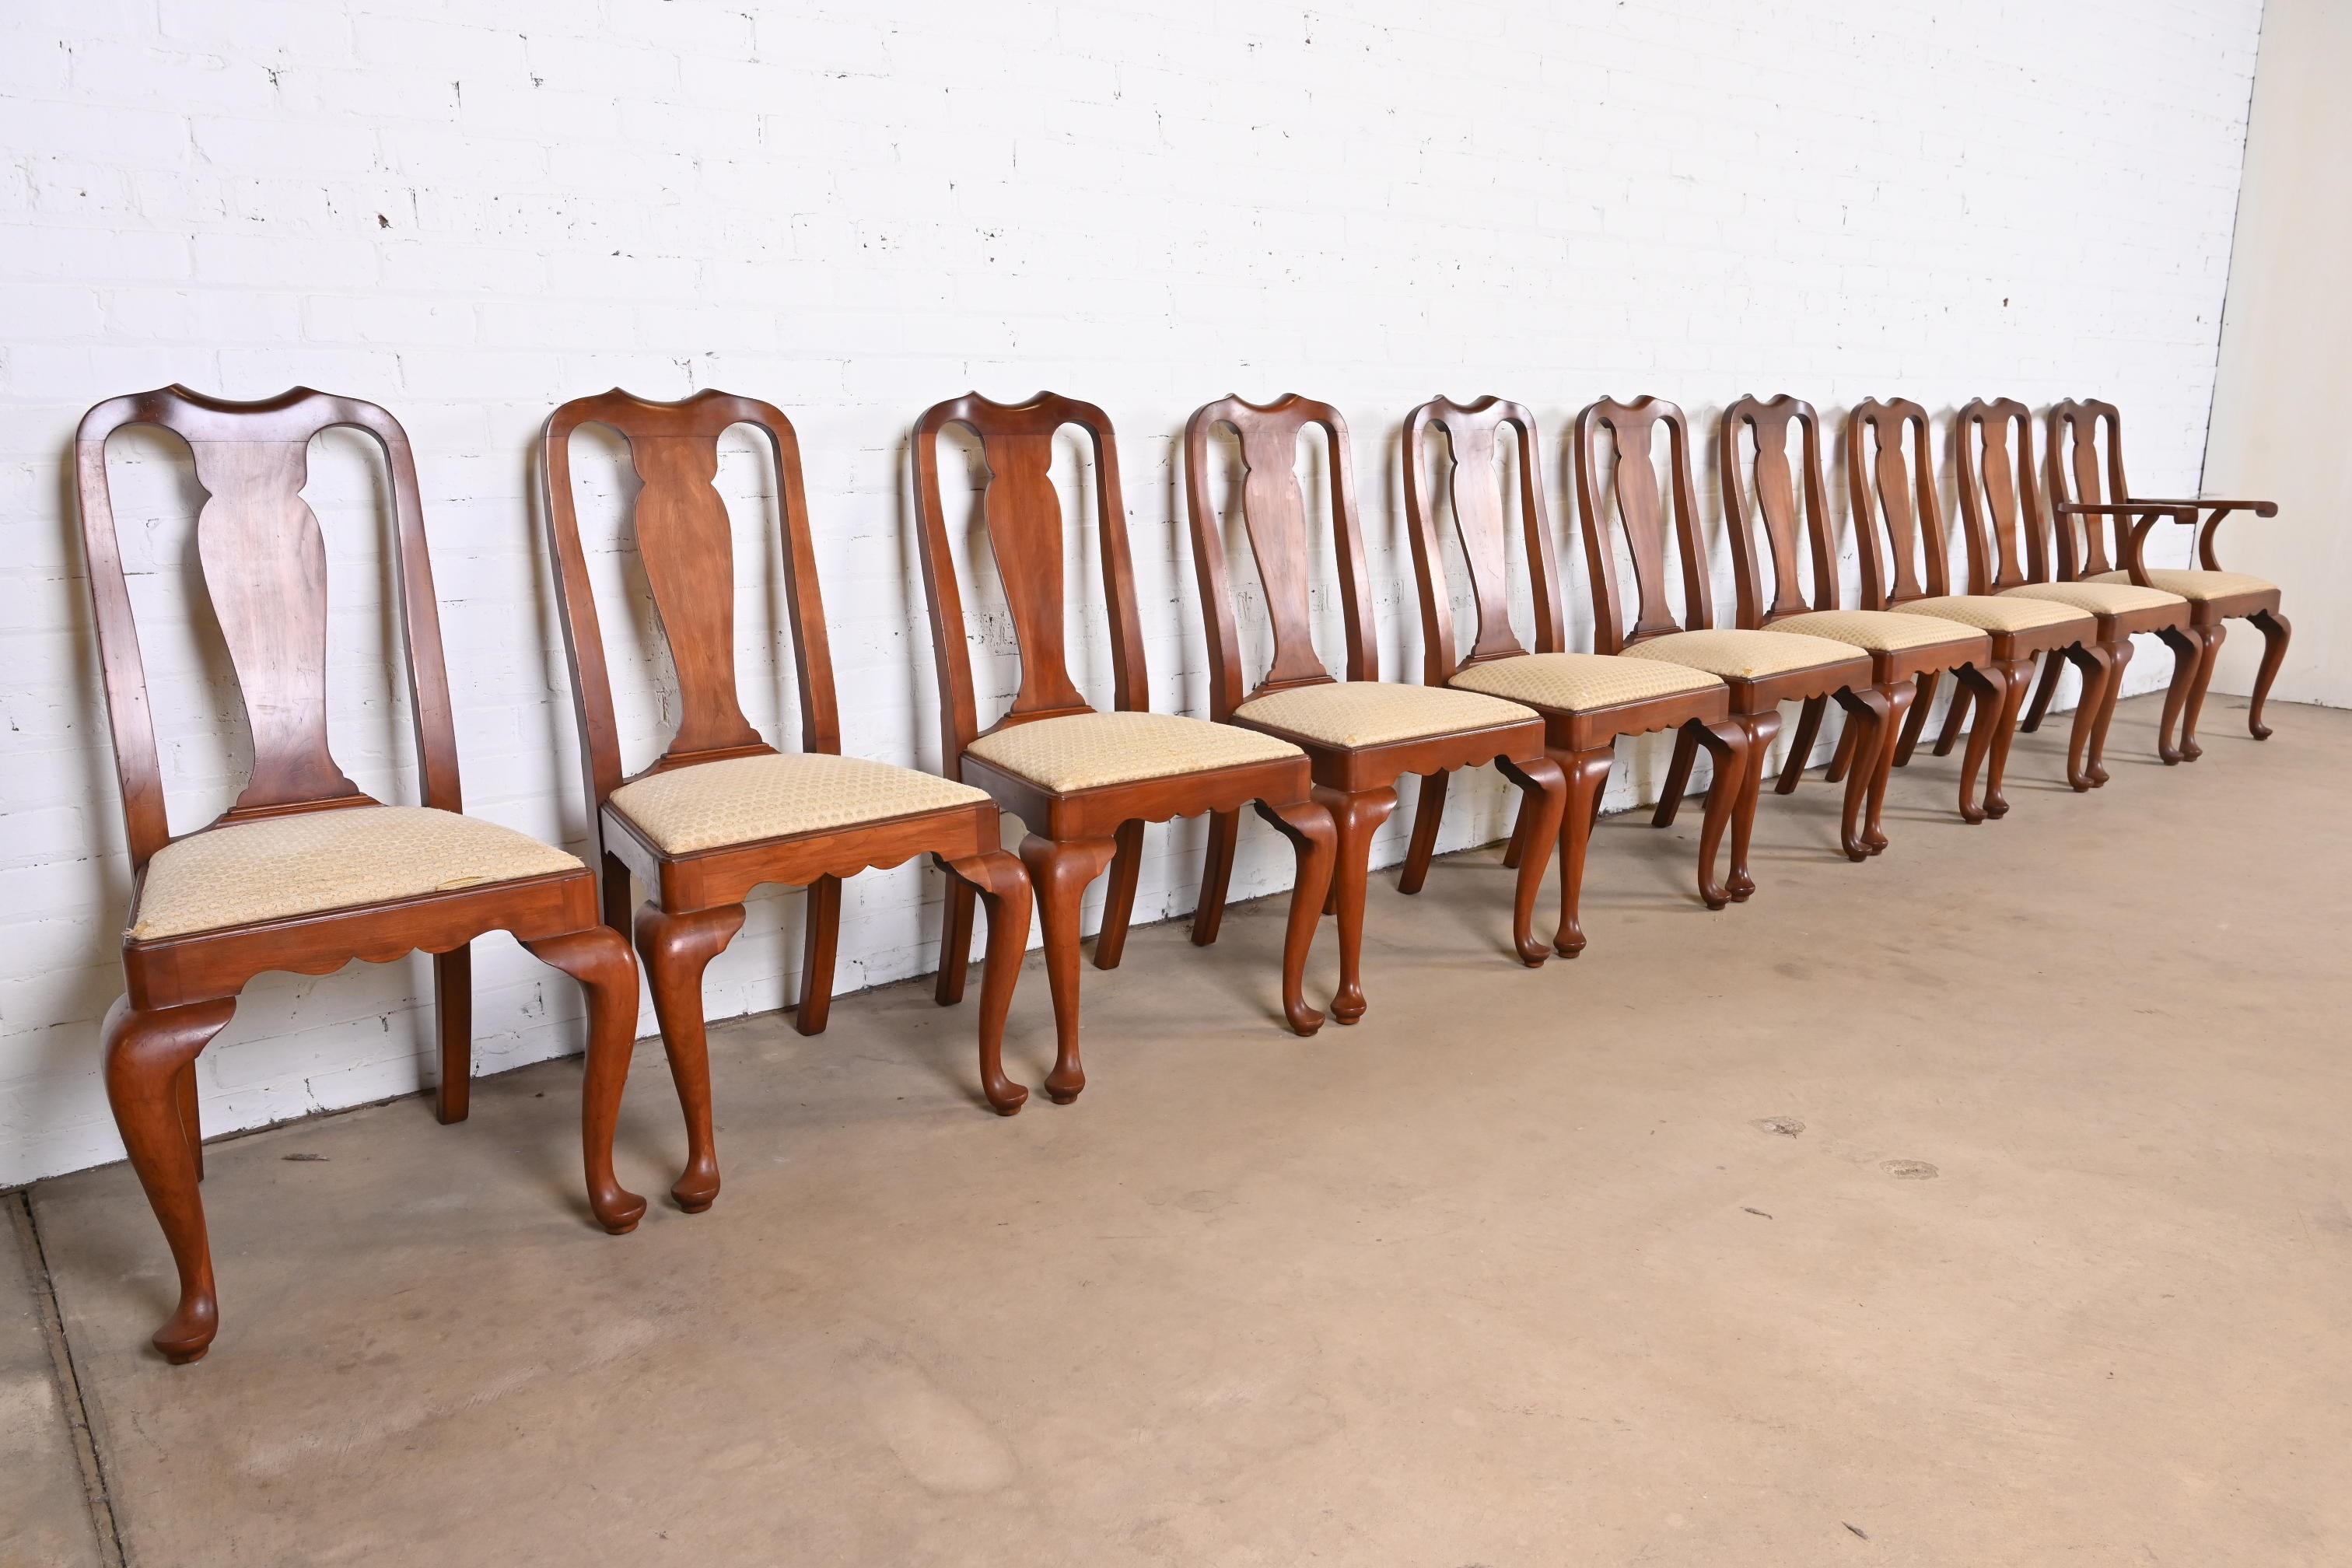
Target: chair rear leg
(1119,907)
(1956,715)
(1428,815)
(1800,745)
(2042,695)
(1918,722)
(2276,629)
(955,939)
(453,1013)
(820,944)
(1678,773)
(1216,876)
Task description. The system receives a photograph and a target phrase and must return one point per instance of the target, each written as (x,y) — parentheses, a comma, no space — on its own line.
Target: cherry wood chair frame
(1357,784)
(1581,740)
(1990,488)
(2081,556)
(1900,675)
(694,901)
(1631,429)
(1073,835)
(264,568)
(2132,518)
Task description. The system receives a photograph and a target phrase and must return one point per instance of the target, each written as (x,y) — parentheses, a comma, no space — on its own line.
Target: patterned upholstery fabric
(744,799)
(2197,586)
(1375,712)
(1996,612)
(1580,682)
(1880,631)
(1087,750)
(1742,655)
(2100,599)
(318,860)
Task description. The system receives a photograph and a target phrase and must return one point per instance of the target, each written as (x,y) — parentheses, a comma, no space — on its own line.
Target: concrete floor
(1986,1203)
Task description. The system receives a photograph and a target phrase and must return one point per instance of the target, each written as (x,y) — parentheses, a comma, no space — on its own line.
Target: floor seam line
(96,1492)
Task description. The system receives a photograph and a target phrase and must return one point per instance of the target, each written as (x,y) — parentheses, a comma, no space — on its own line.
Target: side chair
(1587,700)
(305,871)
(2215,596)
(1362,734)
(1762,669)
(1914,577)
(1906,652)
(720,811)
(1084,783)
(2075,574)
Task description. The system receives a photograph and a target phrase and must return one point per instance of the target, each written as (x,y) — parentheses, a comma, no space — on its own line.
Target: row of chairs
(305,871)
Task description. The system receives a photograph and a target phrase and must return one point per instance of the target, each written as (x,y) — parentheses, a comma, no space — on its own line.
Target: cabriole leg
(677,948)
(1059,871)
(1314,839)
(144,1054)
(2275,630)
(999,878)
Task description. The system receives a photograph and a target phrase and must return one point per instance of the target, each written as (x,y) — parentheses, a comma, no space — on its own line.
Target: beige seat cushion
(744,799)
(1378,713)
(283,867)
(1580,682)
(2197,586)
(1743,656)
(1996,612)
(1087,750)
(1880,631)
(2099,598)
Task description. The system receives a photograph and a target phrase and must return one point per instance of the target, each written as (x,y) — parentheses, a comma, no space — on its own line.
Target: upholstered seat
(1996,612)
(2197,586)
(1742,655)
(1377,713)
(1089,751)
(2099,598)
(1579,681)
(279,867)
(1879,631)
(744,799)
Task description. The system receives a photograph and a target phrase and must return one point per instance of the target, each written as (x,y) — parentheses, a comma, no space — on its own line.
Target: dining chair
(1361,734)
(1762,669)
(1084,782)
(2215,596)
(2073,570)
(1902,490)
(1587,700)
(1906,652)
(306,871)
(721,811)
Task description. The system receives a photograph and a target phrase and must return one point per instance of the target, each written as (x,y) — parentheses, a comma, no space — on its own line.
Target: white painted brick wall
(470,213)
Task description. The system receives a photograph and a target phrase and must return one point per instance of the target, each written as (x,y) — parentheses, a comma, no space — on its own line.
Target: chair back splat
(1023,516)
(1776,506)
(1273,515)
(1904,556)
(265,570)
(1473,437)
(686,547)
(2002,522)
(1631,429)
